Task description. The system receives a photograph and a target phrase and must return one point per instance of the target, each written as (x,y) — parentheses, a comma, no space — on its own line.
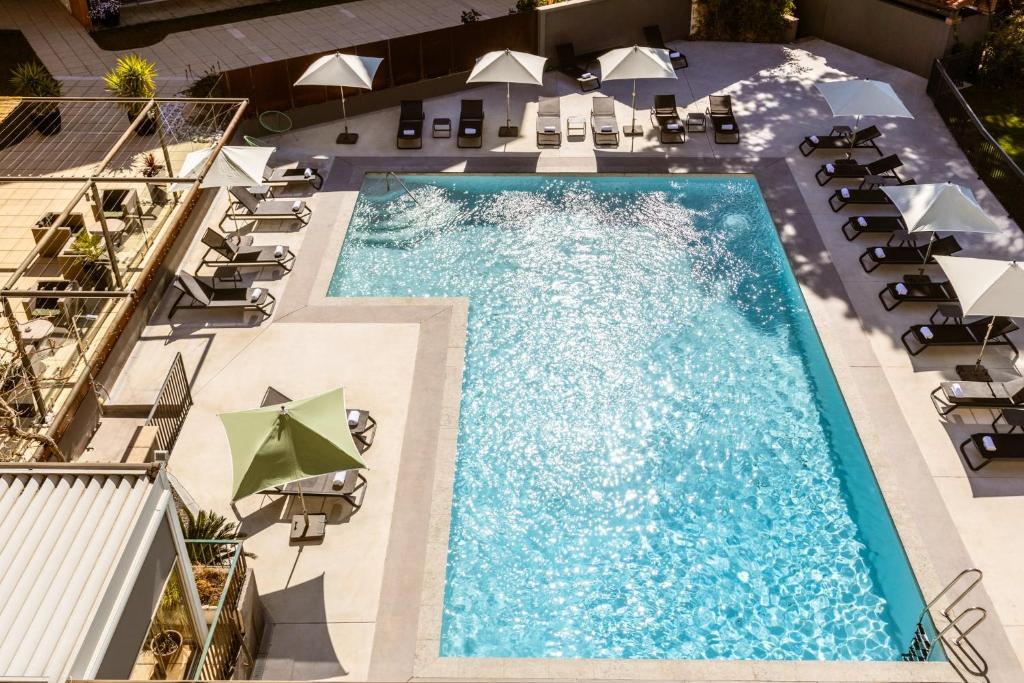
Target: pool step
(920,647)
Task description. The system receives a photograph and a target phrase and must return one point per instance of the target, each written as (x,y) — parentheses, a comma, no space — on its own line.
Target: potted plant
(91,254)
(31,79)
(134,77)
(150,168)
(105,13)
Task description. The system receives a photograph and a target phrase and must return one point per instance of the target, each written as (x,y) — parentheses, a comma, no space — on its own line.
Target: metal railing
(171,406)
(953,629)
(224,649)
(1002,175)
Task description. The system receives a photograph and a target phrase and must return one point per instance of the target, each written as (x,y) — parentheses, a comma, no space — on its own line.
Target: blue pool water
(654,459)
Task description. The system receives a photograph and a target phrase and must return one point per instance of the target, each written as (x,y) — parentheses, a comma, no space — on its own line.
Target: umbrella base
(508,132)
(632,130)
(347,139)
(317,527)
(973,373)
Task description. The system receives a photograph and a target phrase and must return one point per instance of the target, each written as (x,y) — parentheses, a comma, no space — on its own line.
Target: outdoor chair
(851,170)
(950,396)
(410,125)
(121,219)
(960,334)
(248,206)
(665,115)
(549,122)
(471,124)
(652,34)
(603,123)
(918,291)
(910,255)
(845,196)
(206,296)
(996,445)
(862,138)
(727,131)
(296,174)
(855,226)
(719,105)
(567,62)
(230,252)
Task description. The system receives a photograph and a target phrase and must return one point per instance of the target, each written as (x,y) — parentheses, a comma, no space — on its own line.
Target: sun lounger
(855,226)
(549,122)
(360,423)
(949,396)
(719,105)
(727,131)
(652,34)
(910,255)
(247,206)
(471,124)
(959,334)
(234,254)
(275,177)
(568,63)
(410,125)
(850,170)
(665,115)
(862,138)
(996,445)
(603,122)
(896,293)
(208,297)
(845,196)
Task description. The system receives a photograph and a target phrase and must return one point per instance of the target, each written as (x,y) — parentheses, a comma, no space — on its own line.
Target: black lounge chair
(851,170)
(727,131)
(949,396)
(652,34)
(234,254)
(208,297)
(603,122)
(910,255)
(247,206)
(862,138)
(855,226)
(569,64)
(896,293)
(549,122)
(410,125)
(665,115)
(960,334)
(471,124)
(845,196)
(996,445)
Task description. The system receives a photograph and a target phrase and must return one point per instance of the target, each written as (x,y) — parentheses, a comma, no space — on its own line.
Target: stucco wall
(592,25)
(895,34)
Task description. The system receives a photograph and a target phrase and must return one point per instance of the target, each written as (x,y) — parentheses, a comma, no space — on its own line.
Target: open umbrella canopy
(350,71)
(986,286)
(508,66)
(940,207)
(288,442)
(862,97)
(233,167)
(626,63)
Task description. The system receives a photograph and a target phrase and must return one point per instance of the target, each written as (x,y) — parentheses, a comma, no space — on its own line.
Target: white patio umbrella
(233,167)
(939,207)
(343,71)
(862,97)
(508,66)
(635,62)
(986,287)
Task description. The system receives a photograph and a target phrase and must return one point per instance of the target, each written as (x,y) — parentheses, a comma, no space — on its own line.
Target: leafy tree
(1002,58)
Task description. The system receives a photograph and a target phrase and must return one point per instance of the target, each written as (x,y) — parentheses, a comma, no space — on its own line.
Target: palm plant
(207,525)
(31,79)
(132,77)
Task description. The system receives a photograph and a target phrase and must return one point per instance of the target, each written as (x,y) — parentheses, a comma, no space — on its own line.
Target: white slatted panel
(61,535)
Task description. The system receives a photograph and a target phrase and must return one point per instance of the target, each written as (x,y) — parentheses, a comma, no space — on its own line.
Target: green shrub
(31,79)
(133,76)
(1002,59)
(743,20)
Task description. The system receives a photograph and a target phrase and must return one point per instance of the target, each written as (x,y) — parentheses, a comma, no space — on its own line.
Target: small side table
(696,122)
(35,332)
(588,82)
(576,126)
(441,128)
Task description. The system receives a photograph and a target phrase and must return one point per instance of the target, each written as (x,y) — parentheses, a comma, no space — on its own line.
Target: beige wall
(898,35)
(592,25)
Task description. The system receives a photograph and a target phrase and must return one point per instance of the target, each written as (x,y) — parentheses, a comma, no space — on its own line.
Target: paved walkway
(70,54)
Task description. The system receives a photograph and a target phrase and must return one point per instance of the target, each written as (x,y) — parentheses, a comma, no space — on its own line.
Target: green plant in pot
(134,77)
(150,167)
(92,255)
(31,79)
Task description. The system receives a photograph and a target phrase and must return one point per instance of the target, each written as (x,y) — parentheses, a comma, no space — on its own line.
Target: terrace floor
(349,607)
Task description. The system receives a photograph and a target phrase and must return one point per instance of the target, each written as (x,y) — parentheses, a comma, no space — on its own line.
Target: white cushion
(674,55)
(338,482)
(409,131)
(957,390)
(255,295)
(814,139)
(469,131)
(353,417)
(862,222)
(586,74)
(988,443)
(607,129)
(279,251)
(901,289)
(297,206)
(926,332)
(830,168)
(550,129)
(672,126)
(726,126)
(879,252)
(845,193)
(307,174)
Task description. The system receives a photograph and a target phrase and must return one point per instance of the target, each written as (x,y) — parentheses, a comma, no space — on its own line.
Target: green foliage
(470,15)
(524,6)
(743,20)
(208,526)
(1002,59)
(207,85)
(31,79)
(89,246)
(132,76)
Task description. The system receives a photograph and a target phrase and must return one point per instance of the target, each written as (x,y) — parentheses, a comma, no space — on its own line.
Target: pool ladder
(956,626)
(387,184)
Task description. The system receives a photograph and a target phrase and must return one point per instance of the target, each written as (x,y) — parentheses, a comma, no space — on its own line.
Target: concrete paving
(336,604)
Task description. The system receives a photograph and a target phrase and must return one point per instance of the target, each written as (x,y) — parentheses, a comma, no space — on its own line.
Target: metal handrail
(388,185)
(212,630)
(949,586)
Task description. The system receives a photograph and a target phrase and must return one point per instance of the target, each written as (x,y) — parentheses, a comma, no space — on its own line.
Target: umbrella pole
(927,252)
(853,135)
(508,130)
(302,501)
(632,125)
(988,333)
(345,138)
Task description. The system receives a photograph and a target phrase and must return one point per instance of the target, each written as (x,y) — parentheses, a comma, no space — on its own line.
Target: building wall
(593,25)
(901,36)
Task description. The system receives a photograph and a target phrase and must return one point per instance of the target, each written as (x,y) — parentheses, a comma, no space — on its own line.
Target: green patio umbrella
(284,443)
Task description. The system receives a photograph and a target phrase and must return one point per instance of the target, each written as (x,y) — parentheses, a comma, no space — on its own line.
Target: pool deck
(365,604)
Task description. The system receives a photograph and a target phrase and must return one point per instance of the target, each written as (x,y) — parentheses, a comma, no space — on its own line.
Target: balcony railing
(224,651)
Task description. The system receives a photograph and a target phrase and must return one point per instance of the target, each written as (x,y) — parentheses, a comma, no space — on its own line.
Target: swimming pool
(654,458)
